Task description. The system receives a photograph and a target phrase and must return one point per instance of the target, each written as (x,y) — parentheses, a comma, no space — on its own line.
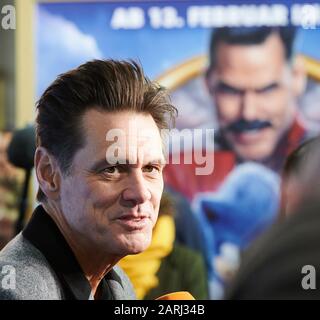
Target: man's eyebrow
(270,86)
(102,163)
(160,161)
(225,86)
(99,164)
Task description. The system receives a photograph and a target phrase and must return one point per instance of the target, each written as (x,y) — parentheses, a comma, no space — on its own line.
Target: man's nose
(137,191)
(249,105)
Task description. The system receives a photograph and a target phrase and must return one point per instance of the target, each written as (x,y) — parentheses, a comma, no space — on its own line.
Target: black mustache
(243,125)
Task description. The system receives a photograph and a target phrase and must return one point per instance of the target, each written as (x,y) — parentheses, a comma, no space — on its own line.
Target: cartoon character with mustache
(254,82)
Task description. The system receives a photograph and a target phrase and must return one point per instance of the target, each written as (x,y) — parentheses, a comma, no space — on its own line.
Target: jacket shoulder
(25,274)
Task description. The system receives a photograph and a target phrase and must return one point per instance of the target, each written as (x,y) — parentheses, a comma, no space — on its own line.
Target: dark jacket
(43,267)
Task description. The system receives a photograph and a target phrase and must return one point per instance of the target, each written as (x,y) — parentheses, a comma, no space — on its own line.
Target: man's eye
(111,170)
(151,169)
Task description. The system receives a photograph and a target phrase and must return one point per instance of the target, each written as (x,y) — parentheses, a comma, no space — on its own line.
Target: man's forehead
(249,71)
(119,153)
(122,125)
(140,144)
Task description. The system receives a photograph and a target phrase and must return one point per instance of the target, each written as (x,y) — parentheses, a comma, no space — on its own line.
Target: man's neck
(94,263)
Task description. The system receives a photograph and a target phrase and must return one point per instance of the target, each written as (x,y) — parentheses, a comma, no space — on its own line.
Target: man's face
(252,86)
(115,206)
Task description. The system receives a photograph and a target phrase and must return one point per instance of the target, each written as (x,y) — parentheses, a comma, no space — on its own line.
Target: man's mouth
(247,132)
(132,222)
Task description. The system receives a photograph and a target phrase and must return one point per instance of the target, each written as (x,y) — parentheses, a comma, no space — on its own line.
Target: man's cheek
(155,218)
(99,193)
(157,194)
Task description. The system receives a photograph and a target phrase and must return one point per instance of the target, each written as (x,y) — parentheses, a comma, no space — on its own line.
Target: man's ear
(48,173)
(299,76)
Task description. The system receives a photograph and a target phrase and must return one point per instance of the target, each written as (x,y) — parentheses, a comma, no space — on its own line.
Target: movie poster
(241,123)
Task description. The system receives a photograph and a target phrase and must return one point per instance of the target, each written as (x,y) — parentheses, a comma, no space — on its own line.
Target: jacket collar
(44,234)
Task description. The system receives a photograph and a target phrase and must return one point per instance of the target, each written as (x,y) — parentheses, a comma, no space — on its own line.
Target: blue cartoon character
(231,218)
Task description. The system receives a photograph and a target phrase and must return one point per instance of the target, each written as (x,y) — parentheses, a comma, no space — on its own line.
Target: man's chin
(136,250)
(137,246)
